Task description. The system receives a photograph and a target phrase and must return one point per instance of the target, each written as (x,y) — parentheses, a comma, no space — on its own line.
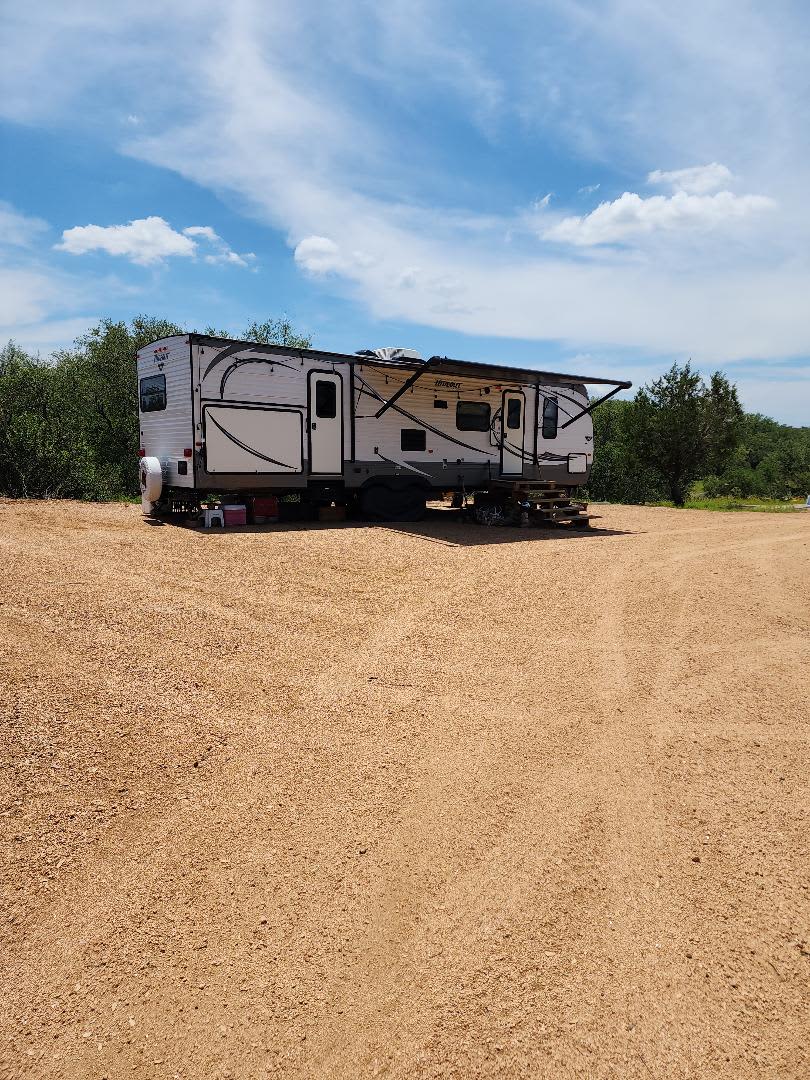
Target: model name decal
(447,385)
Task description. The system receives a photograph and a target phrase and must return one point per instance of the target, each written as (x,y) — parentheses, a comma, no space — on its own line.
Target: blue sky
(599,187)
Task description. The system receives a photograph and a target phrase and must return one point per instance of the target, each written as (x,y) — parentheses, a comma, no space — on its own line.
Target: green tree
(270,332)
(619,473)
(772,461)
(69,424)
(277,332)
(97,399)
(680,427)
(723,419)
(34,453)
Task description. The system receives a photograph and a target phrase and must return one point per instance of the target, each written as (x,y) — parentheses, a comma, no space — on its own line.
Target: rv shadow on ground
(446,527)
(450,528)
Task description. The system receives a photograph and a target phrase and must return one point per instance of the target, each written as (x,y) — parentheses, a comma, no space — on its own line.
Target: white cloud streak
(318,255)
(695,180)
(222,252)
(17,229)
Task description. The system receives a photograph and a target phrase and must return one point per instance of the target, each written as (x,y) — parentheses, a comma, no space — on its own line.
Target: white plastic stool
(214,517)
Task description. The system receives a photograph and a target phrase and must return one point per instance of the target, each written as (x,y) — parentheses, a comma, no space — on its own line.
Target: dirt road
(434,801)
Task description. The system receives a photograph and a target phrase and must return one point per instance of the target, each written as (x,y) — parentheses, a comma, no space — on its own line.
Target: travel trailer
(380,430)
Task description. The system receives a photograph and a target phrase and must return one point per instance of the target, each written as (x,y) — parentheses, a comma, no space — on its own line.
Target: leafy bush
(680,435)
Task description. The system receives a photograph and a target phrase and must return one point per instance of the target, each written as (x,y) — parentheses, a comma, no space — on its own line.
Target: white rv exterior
(239,417)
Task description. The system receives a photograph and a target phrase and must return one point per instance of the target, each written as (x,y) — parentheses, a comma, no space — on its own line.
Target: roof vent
(390,355)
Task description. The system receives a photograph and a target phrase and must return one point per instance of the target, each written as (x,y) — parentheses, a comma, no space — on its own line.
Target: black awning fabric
(443,365)
(495,373)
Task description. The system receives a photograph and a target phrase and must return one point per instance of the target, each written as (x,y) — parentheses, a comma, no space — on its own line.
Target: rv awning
(443,365)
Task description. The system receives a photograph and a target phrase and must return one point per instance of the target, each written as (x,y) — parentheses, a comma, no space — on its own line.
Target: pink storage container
(235,514)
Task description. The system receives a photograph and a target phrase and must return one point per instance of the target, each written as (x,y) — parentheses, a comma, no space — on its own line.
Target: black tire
(382,502)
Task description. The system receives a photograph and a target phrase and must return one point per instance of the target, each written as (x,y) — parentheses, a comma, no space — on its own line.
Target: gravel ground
(415,802)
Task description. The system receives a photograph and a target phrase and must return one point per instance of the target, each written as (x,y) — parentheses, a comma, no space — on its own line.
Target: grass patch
(729,503)
(725,503)
(762,506)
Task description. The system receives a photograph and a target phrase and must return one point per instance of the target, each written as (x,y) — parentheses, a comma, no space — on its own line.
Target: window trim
(547,431)
(509,410)
(159,378)
(410,433)
(333,393)
(485,412)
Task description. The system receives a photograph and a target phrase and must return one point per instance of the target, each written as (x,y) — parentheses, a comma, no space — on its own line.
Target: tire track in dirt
(641,831)
(436,847)
(104,917)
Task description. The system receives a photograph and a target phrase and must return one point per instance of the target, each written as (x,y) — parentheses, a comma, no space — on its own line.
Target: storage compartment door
(513,427)
(577,463)
(240,439)
(325,400)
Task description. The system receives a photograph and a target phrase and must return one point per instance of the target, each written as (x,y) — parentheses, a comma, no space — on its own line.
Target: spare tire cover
(151,479)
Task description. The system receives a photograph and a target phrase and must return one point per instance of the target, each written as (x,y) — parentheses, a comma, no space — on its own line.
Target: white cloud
(17,229)
(147,241)
(338,182)
(26,295)
(409,278)
(42,308)
(144,241)
(222,253)
(696,180)
(202,230)
(313,124)
(320,255)
(43,338)
(631,216)
(589,189)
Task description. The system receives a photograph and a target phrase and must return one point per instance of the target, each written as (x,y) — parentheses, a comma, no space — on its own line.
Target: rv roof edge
(439,364)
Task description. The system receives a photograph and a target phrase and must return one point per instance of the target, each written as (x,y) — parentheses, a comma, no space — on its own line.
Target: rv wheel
(384,503)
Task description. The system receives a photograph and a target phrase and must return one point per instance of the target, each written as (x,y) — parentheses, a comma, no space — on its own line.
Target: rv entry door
(513,426)
(325,411)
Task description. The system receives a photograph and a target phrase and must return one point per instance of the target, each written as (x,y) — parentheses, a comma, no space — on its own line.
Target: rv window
(153,393)
(439,403)
(325,399)
(472,415)
(550,418)
(412,439)
(513,410)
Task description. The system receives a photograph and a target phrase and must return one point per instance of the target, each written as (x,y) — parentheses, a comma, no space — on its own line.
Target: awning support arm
(592,406)
(405,386)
